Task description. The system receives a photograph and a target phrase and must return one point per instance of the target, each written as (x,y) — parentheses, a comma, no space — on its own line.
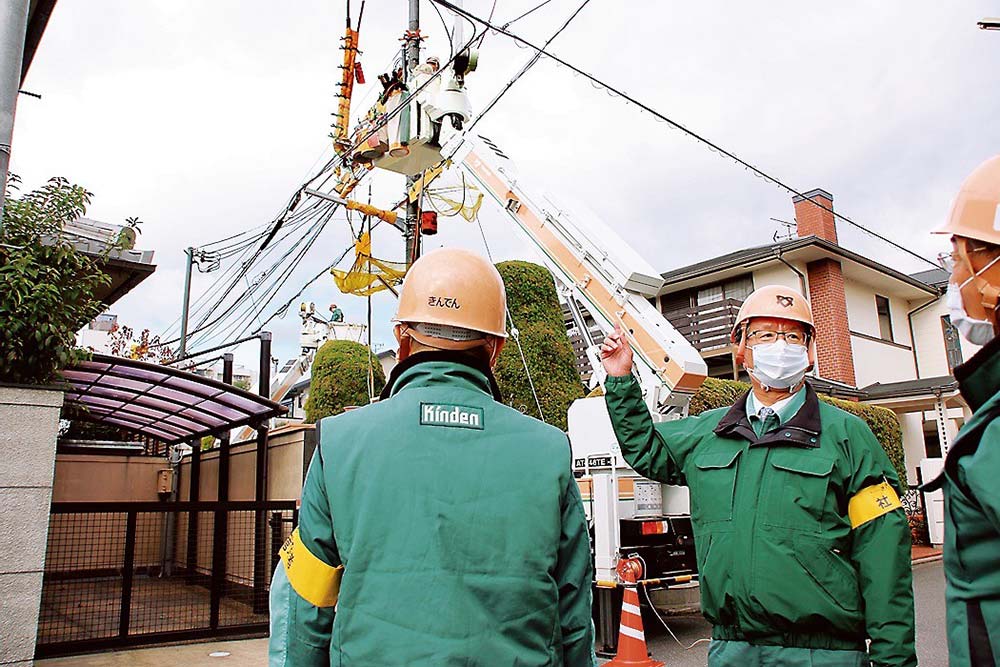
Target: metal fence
(126,574)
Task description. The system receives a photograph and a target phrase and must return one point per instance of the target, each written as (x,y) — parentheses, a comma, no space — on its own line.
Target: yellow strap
(871,503)
(314,580)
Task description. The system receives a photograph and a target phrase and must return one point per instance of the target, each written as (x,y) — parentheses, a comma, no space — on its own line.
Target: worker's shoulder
(354,418)
(703,421)
(836,418)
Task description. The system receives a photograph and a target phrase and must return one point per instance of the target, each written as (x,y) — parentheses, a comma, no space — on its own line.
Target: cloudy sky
(202,118)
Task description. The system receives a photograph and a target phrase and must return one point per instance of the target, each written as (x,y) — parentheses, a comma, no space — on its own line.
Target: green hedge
(340,378)
(535,310)
(716,393)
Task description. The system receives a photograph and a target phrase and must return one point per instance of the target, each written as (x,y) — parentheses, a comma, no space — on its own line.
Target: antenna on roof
(787,233)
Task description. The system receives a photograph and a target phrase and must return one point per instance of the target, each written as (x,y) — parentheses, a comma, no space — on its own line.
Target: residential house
(883,336)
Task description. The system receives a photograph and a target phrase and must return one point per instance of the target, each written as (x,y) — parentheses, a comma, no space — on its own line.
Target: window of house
(709,294)
(952,344)
(884,318)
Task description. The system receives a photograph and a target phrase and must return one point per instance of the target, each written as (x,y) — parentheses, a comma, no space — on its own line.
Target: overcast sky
(202,118)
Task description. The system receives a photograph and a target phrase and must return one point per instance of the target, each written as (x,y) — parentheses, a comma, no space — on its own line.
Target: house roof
(748,257)
(38,17)
(936,277)
(906,388)
(164,403)
(127,267)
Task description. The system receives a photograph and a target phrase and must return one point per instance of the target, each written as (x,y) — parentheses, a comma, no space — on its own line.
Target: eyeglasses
(791,337)
(948,260)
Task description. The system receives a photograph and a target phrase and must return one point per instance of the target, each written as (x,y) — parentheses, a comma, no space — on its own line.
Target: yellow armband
(315,581)
(872,502)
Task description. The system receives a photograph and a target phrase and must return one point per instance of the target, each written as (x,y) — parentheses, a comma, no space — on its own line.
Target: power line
(530,11)
(528,65)
(704,140)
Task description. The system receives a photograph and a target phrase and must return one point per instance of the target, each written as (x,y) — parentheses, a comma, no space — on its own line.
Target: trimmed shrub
(535,310)
(716,393)
(340,378)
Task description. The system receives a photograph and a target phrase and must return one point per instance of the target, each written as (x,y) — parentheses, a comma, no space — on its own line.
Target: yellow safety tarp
(368,274)
(467,210)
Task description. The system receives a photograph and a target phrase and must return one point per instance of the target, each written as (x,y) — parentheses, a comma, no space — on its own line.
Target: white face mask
(977,332)
(779,365)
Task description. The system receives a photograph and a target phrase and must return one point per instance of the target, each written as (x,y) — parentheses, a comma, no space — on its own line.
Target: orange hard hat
(974,213)
(452,299)
(774,301)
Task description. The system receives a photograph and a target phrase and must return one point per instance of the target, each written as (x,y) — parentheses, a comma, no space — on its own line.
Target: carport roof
(159,401)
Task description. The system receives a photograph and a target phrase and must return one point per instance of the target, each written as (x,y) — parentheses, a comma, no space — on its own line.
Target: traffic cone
(631,638)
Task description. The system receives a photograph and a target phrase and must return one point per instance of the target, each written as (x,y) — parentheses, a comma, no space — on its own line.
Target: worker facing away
(972,464)
(438,526)
(803,548)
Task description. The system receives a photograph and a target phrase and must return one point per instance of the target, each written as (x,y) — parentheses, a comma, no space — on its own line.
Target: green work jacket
(779,561)
(971,485)
(459,525)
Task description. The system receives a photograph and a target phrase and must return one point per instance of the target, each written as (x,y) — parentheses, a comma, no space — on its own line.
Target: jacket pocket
(715,486)
(797,490)
(831,572)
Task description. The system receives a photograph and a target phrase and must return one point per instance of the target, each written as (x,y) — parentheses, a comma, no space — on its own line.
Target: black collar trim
(802,429)
(446,356)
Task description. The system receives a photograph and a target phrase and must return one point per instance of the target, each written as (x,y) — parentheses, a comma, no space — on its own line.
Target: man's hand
(616,355)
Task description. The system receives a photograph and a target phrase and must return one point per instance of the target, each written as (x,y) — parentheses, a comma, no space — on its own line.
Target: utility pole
(412,233)
(13,26)
(189,253)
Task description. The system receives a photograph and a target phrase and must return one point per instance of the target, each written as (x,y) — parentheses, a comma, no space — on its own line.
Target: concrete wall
(29,424)
(105,477)
(287,452)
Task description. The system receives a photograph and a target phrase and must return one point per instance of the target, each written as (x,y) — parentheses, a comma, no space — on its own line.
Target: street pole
(13,26)
(412,233)
(189,253)
(260,572)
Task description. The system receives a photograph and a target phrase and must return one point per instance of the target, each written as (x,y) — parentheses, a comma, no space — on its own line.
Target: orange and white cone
(631,637)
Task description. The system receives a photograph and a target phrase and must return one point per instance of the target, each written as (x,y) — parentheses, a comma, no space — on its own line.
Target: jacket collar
(441,368)
(802,429)
(979,377)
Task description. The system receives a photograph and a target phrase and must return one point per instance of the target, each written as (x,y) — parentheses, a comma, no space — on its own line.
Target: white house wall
(875,361)
(778,274)
(914,448)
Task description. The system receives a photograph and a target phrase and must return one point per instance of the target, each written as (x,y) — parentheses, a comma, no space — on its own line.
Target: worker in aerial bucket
(336,314)
(971,476)
(803,547)
(438,526)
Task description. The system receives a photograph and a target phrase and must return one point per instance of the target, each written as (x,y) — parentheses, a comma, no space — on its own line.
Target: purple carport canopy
(164,403)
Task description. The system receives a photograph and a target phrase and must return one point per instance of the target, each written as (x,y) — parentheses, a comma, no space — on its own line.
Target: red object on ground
(631,638)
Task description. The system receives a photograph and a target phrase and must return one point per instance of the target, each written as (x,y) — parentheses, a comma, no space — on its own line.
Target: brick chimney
(811,220)
(834,357)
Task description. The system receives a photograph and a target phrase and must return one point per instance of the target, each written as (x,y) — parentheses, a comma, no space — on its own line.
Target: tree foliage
(548,354)
(142,347)
(340,378)
(49,286)
(717,393)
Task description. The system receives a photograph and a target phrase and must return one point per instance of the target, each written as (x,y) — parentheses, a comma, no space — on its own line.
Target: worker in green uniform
(438,526)
(802,546)
(971,476)
(336,314)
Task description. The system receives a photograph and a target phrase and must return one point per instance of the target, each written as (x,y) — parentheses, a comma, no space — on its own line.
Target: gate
(136,573)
